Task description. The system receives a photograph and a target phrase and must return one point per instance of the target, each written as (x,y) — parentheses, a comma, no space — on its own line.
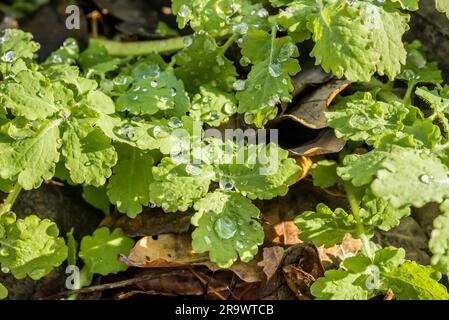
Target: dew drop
(164,99)
(193,170)
(424,178)
(226,184)
(5,270)
(152,204)
(213,116)
(175,123)
(173,92)
(9,56)
(207,240)
(184,11)
(187,42)
(225,228)
(57,59)
(240,28)
(239,85)
(229,108)
(239,244)
(263,13)
(153,84)
(274,70)
(135,98)
(160,132)
(4,252)
(88,163)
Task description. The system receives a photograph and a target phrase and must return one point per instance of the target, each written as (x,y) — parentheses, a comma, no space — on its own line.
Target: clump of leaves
(130,127)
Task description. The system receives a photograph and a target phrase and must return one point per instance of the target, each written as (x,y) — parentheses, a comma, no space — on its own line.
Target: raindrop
(152,204)
(240,28)
(351,2)
(4,252)
(263,13)
(160,132)
(275,70)
(229,108)
(240,244)
(175,123)
(173,92)
(5,270)
(424,178)
(226,184)
(57,59)
(153,84)
(207,240)
(127,131)
(239,85)
(242,233)
(225,228)
(193,170)
(136,97)
(164,99)
(120,80)
(188,42)
(184,11)
(213,116)
(9,56)
(88,163)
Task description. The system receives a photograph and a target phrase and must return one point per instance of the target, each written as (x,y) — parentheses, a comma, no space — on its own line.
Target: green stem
(408,94)
(355,209)
(228,43)
(11,199)
(140,48)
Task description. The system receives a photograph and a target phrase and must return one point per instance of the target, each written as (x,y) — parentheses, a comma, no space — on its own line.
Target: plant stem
(140,48)
(408,94)
(354,204)
(11,199)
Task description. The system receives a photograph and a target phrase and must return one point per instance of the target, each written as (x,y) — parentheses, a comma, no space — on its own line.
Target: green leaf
(226,227)
(98,198)
(32,159)
(356,40)
(16,44)
(96,60)
(152,94)
(296,16)
(360,117)
(379,213)
(438,100)
(70,76)
(443,6)
(67,54)
(411,5)
(177,186)
(340,285)
(129,187)
(212,106)
(269,80)
(326,227)
(3,292)
(30,246)
(101,250)
(417,68)
(324,173)
(361,169)
(88,153)
(203,62)
(216,17)
(72,248)
(259,171)
(411,281)
(410,177)
(31,95)
(439,240)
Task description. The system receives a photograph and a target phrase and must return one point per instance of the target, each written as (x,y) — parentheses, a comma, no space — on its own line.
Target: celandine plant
(130,128)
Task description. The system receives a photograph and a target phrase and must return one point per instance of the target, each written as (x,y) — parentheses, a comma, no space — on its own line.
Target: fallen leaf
(286,233)
(325,143)
(309,76)
(150,222)
(309,111)
(272,259)
(298,281)
(331,257)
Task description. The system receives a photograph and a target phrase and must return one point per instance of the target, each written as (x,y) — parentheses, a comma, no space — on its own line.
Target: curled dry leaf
(325,143)
(150,222)
(298,281)
(272,259)
(309,111)
(286,233)
(175,250)
(311,75)
(331,257)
